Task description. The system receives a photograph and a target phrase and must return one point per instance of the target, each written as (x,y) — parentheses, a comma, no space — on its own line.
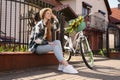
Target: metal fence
(17,20)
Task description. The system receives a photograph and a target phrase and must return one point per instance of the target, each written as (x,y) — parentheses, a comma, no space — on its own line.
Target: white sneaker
(60,67)
(70,69)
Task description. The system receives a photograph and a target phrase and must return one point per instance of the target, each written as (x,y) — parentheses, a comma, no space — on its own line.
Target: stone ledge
(114,55)
(10,53)
(22,60)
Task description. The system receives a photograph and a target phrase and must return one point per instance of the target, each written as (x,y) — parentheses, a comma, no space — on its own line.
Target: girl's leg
(57,49)
(43,49)
(65,67)
(59,52)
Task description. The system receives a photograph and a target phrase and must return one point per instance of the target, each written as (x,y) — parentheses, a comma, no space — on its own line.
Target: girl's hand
(53,16)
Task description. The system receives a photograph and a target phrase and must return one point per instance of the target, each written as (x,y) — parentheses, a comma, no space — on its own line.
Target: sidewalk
(104,69)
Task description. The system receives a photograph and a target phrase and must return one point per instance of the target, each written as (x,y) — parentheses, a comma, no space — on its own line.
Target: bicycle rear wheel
(86,53)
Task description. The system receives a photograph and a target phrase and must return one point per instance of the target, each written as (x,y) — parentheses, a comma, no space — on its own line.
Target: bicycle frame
(78,36)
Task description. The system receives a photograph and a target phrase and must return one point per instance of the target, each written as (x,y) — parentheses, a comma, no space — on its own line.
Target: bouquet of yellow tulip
(77,24)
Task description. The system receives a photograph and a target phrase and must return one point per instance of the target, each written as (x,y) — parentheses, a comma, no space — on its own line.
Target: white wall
(96,5)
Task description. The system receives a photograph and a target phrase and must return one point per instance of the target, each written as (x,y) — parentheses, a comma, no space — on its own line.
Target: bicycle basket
(77,24)
(81,26)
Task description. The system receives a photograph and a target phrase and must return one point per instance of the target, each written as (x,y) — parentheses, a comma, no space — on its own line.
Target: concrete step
(23,60)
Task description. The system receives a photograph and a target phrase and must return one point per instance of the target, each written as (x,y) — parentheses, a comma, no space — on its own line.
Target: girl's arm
(55,24)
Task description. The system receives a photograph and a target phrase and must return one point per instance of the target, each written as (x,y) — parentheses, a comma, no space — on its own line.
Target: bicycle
(79,45)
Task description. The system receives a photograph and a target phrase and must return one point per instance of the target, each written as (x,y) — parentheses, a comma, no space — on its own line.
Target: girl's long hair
(48,25)
(49,34)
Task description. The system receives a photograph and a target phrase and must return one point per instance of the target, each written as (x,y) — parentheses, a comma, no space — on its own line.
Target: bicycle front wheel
(67,55)
(67,51)
(86,53)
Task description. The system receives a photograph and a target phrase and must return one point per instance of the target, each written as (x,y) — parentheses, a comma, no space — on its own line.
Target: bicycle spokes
(86,52)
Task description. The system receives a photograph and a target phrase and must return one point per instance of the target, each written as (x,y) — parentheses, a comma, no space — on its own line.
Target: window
(102,12)
(86,8)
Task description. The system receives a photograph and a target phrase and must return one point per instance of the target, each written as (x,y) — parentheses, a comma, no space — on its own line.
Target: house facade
(99,11)
(114,29)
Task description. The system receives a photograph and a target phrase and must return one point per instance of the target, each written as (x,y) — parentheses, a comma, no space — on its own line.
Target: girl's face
(48,15)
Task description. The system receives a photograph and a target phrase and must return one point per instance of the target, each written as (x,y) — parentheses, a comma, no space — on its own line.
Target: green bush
(102,51)
(18,48)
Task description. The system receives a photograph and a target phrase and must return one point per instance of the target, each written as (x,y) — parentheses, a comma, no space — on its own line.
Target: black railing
(17,21)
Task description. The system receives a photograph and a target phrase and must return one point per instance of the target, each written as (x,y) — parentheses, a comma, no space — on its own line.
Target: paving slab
(104,69)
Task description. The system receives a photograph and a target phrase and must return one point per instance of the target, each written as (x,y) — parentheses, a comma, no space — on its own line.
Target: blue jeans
(57,49)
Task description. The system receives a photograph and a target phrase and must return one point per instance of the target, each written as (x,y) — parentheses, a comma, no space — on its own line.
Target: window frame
(86,8)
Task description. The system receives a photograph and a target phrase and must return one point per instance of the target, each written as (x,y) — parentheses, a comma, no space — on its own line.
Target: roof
(115,16)
(65,9)
(52,2)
